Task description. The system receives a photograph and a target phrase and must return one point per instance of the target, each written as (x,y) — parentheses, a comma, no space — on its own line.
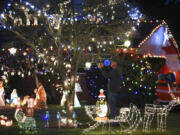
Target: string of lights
(162,111)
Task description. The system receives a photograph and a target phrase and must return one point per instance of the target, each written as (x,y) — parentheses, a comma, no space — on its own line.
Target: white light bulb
(52,58)
(6,81)
(25,53)
(88,65)
(19,73)
(89,48)
(12,73)
(127,43)
(12,51)
(5,73)
(29,73)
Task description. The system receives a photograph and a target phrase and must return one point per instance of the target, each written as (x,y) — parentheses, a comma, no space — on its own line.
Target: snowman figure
(101,107)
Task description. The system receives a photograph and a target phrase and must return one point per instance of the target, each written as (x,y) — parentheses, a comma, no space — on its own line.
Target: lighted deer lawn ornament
(161,111)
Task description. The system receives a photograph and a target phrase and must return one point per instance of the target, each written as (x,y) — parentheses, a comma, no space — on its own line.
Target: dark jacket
(114,79)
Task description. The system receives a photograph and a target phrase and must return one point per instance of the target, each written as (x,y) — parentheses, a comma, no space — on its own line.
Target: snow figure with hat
(161,43)
(101,108)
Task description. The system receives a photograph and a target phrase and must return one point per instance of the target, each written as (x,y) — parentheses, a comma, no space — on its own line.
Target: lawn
(173,125)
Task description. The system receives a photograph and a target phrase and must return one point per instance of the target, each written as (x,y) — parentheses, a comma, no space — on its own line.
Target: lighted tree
(138,77)
(63,35)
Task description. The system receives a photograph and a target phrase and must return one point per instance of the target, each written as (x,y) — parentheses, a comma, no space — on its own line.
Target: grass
(173,125)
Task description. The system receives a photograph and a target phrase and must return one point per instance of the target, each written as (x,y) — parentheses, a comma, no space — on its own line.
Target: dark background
(159,9)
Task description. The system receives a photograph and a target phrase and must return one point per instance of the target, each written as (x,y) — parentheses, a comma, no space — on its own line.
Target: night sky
(169,10)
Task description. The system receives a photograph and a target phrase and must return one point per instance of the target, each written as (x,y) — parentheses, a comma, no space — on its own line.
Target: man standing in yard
(116,94)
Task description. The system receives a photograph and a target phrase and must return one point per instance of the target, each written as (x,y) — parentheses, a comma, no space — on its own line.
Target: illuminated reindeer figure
(161,111)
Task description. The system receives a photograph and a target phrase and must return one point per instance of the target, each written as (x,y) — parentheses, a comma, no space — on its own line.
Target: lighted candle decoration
(46,119)
(58,117)
(74,119)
